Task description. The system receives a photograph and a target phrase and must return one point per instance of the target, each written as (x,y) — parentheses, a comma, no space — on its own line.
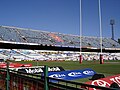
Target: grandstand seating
(49,38)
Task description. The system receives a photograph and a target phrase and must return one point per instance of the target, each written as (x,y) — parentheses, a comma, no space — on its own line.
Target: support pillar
(8,76)
(45,78)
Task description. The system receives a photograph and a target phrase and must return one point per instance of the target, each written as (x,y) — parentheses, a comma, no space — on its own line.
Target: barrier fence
(25,81)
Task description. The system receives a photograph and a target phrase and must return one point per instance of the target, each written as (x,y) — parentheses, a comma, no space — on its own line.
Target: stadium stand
(21,35)
(51,38)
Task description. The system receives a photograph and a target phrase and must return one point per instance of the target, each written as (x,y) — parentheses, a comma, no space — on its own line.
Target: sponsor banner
(36,70)
(14,65)
(72,74)
(105,82)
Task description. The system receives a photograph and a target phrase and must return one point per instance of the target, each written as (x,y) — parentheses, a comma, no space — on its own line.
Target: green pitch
(108,68)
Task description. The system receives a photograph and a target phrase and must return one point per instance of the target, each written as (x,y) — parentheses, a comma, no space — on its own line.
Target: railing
(24,81)
(70,85)
(21,81)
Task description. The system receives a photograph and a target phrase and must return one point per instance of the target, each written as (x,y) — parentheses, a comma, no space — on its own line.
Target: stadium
(35,48)
(53,43)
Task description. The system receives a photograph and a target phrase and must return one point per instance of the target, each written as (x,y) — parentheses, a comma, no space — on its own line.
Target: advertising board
(72,74)
(39,69)
(105,82)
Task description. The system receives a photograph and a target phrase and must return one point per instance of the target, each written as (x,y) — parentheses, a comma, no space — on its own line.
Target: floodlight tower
(112,23)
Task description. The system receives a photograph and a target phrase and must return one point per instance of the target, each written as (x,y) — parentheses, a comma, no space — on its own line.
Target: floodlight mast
(112,23)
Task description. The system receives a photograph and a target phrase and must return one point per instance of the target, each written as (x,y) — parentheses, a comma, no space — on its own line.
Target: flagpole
(100,22)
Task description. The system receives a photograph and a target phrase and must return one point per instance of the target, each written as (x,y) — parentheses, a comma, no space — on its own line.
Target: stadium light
(112,23)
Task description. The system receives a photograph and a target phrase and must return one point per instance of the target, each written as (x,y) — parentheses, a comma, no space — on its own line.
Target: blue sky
(61,16)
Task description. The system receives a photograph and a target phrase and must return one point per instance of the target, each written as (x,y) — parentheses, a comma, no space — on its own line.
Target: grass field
(108,68)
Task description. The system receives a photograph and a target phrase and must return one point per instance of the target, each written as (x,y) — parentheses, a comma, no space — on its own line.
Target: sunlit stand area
(45,55)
